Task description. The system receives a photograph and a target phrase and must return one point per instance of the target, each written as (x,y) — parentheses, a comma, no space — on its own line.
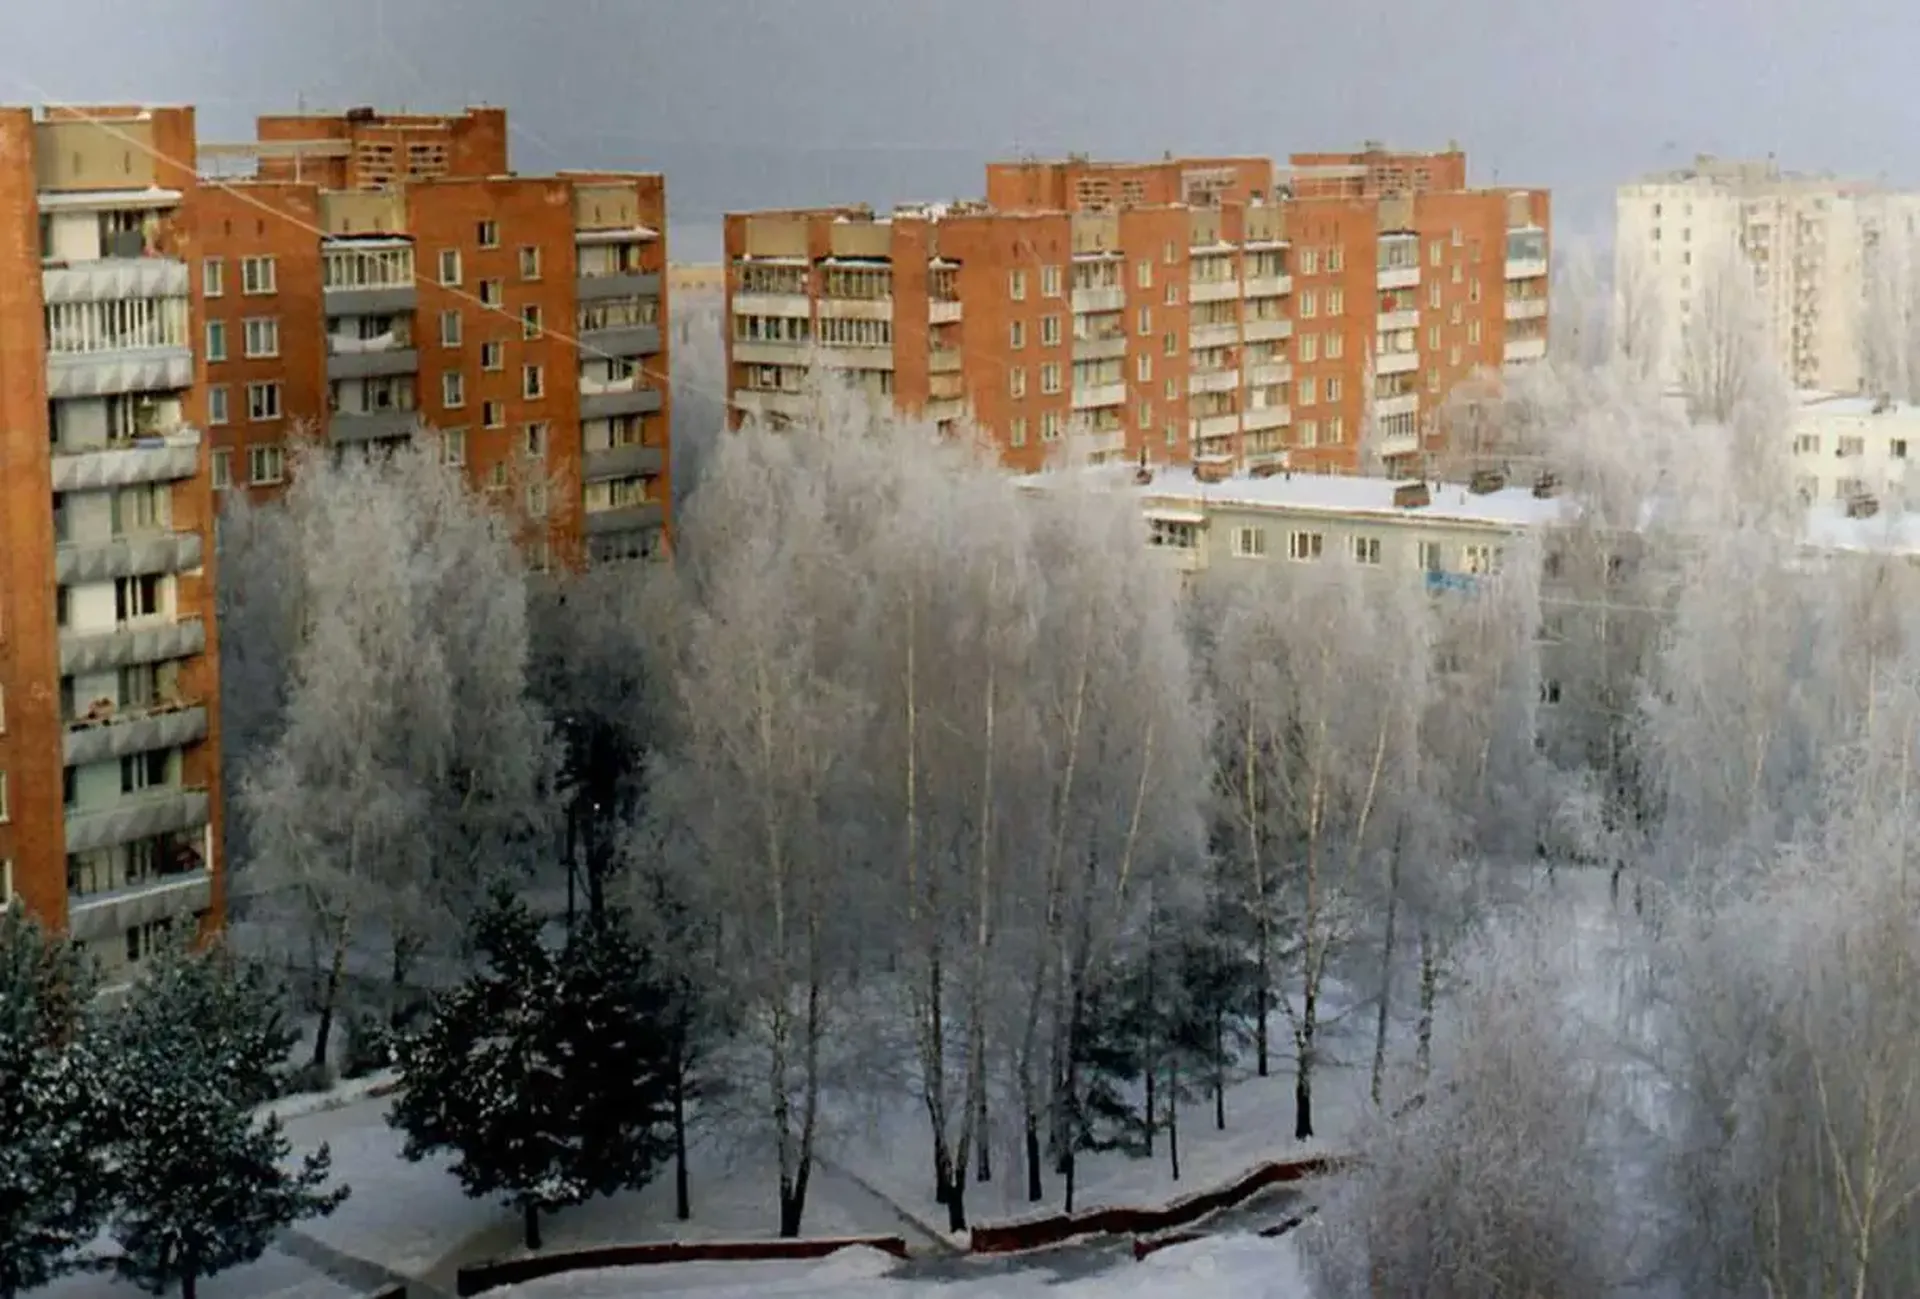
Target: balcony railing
(105,374)
(621,399)
(1214,381)
(111,279)
(1095,395)
(628,518)
(352,427)
(173,894)
(622,462)
(1526,308)
(138,816)
(1396,363)
(1222,335)
(129,556)
(391,353)
(1268,330)
(1090,301)
(625,340)
(617,284)
(1398,277)
(1213,290)
(1392,322)
(116,734)
(163,458)
(146,641)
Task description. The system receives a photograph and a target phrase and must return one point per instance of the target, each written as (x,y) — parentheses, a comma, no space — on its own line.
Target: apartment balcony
(1266,417)
(1213,290)
(793,306)
(628,340)
(1398,277)
(355,427)
(941,312)
(1526,268)
(617,284)
(790,405)
(630,518)
(760,353)
(1261,374)
(1199,336)
(1526,308)
(1100,349)
(138,816)
(1217,426)
(946,409)
(623,397)
(1400,444)
(107,374)
(390,353)
(1093,396)
(878,357)
(1214,381)
(1109,442)
(113,279)
(146,641)
(856,308)
(1267,331)
(1525,349)
(393,299)
(99,916)
(103,561)
(1268,286)
(1396,363)
(946,360)
(141,730)
(1391,322)
(1086,302)
(166,458)
(1406,403)
(622,462)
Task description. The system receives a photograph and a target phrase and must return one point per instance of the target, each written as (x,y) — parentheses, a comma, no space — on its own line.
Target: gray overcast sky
(767,102)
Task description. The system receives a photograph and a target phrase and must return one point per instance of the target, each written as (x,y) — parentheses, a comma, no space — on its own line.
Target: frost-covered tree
(1496,1184)
(54,1188)
(410,765)
(1727,355)
(545,1072)
(201,1182)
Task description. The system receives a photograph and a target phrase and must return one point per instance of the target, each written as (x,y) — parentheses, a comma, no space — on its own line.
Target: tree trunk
(1033,1156)
(682,1201)
(1303,1073)
(330,995)
(1261,1008)
(1385,1011)
(942,1168)
(793,1201)
(1152,1116)
(955,1197)
(1429,988)
(189,1286)
(1220,1070)
(1071,1163)
(1173,1121)
(530,1215)
(984,1172)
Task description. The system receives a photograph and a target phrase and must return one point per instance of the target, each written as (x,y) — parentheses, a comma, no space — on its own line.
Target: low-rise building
(1849,446)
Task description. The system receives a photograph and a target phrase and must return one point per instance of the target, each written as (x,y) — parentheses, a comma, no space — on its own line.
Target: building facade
(109,679)
(1805,243)
(1199,310)
(1847,447)
(373,277)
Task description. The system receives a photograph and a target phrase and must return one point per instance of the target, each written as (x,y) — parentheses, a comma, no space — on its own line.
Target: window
(1473,289)
(216,340)
(256,275)
(493,414)
(1429,557)
(1017,335)
(1433,338)
(5,816)
(1336,301)
(453,447)
(1170,432)
(1050,377)
(1017,285)
(1333,387)
(1049,331)
(1549,691)
(497,477)
(3,710)
(263,336)
(222,468)
(1852,446)
(136,597)
(1143,367)
(1897,448)
(493,356)
(491,293)
(1309,348)
(1172,296)
(1250,543)
(529,263)
(1806,444)
(529,321)
(147,939)
(6,867)
(1050,426)
(1170,388)
(1145,417)
(1336,346)
(1481,560)
(487,234)
(1309,389)
(1169,344)
(1433,296)
(265,464)
(1435,251)
(1143,274)
(1473,333)
(1305,545)
(533,382)
(1366,550)
(1017,381)
(1169,253)
(1453,355)
(217,405)
(213,277)
(449,329)
(536,446)
(263,401)
(536,500)
(1017,431)
(450,266)
(1336,260)
(1336,428)
(1050,281)
(1309,261)
(1145,322)
(140,771)
(453,388)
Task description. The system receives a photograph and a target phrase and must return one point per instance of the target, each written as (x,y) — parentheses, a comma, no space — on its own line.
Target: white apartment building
(1846,446)
(1805,239)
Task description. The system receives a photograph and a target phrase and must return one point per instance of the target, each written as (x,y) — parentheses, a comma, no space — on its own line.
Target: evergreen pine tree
(201,1183)
(544,1076)
(53,1186)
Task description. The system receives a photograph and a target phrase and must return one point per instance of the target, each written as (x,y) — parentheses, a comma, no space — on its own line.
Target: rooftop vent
(1883,403)
(1412,496)
(1486,481)
(1545,487)
(364,113)
(1212,471)
(1268,468)
(1143,472)
(1862,505)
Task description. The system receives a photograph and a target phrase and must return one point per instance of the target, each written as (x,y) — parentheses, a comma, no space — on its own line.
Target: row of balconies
(137,730)
(138,555)
(170,457)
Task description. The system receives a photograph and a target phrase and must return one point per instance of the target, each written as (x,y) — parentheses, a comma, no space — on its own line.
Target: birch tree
(1727,354)
(410,766)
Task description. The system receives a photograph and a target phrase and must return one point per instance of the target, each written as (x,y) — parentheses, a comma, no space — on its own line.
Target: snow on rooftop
(1888,532)
(1511,507)
(1854,405)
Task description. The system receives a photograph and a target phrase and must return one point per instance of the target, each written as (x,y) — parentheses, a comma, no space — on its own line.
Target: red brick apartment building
(374,273)
(1215,310)
(109,684)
